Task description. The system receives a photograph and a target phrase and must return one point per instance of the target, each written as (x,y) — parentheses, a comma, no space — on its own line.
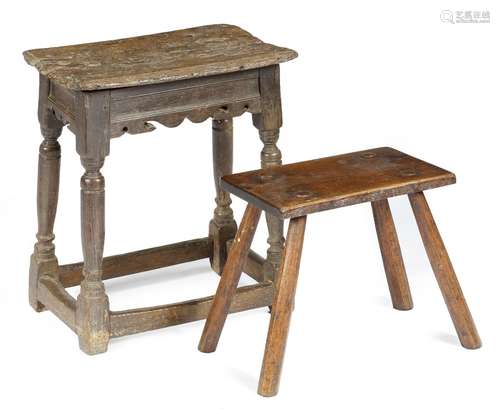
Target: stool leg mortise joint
(92,306)
(391,256)
(44,260)
(229,280)
(444,272)
(223,226)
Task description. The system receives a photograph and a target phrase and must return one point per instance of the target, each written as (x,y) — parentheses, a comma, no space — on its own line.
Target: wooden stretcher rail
(146,319)
(140,261)
(56,299)
(253,266)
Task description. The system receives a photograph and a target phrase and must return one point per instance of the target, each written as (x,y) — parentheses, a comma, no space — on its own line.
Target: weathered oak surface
(103,90)
(306,187)
(140,261)
(151,59)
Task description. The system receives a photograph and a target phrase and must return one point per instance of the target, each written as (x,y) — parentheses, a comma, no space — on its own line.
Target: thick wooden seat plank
(307,187)
(157,58)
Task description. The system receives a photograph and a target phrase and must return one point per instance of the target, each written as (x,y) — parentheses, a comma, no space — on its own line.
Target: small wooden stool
(104,90)
(296,190)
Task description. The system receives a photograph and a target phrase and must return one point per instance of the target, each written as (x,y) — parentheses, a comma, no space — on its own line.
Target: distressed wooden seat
(296,190)
(106,89)
(157,58)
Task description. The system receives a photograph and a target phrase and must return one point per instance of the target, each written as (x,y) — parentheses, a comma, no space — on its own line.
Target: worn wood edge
(133,321)
(368,196)
(254,265)
(146,79)
(56,299)
(140,261)
(281,55)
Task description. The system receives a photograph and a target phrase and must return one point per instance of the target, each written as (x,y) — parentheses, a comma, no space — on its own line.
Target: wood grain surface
(150,59)
(307,187)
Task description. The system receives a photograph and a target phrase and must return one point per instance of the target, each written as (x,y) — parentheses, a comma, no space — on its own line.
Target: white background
(384,73)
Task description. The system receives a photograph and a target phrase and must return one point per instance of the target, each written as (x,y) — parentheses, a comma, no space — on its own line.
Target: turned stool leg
(271,156)
(443,270)
(281,312)
(222,227)
(92,306)
(229,280)
(43,259)
(268,123)
(391,256)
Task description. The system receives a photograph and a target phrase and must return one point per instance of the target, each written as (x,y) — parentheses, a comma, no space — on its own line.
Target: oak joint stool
(103,90)
(296,190)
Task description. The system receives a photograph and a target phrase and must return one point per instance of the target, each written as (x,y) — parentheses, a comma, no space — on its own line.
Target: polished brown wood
(312,186)
(229,281)
(391,256)
(157,58)
(301,188)
(444,272)
(107,89)
(281,311)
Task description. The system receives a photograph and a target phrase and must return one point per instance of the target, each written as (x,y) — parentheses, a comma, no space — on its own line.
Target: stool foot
(37,269)
(92,318)
(229,280)
(282,309)
(445,275)
(391,256)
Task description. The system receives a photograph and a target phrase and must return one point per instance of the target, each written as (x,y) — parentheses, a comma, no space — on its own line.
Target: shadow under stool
(296,190)
(106,89)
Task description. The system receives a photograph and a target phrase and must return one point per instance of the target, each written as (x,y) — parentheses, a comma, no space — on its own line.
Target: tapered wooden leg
(445,275)
(229,280)
(223,226)
(282,309)
(92,305)
(43,259)
(391,256)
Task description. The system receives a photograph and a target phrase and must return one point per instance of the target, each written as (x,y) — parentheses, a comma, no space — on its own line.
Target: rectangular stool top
(307,187)
(150,59)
